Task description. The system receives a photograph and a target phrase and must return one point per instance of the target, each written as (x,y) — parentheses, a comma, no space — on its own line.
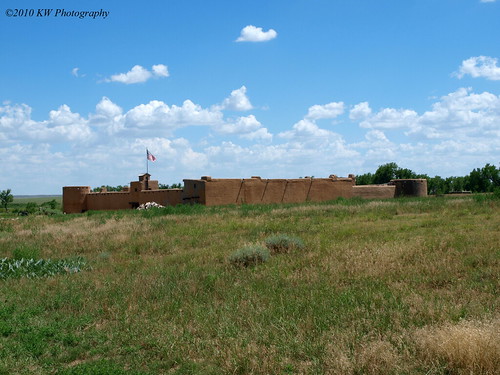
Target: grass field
(406,286)
(38,199)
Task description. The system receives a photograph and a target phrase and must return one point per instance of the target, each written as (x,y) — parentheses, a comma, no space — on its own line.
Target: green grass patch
(380,288)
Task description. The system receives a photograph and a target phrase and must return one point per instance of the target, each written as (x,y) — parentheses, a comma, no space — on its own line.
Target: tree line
(479,180)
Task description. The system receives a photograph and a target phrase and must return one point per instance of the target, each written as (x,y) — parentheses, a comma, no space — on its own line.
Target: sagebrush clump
(282,243)
(249,255)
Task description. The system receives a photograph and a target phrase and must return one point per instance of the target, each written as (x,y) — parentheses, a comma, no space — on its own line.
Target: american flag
(150,156)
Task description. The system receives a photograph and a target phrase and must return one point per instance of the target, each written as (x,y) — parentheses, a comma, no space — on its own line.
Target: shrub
(282,243)
(50,204)
(249,255)
(31,207)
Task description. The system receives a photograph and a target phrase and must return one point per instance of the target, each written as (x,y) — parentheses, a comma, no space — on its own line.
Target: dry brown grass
(469,347)
(378,357)
(374,356)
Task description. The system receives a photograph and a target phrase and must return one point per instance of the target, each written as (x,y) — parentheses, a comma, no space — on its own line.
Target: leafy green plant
(32,268)
(249,255)
(282,243)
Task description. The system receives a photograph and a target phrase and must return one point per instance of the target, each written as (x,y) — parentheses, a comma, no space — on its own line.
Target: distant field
(38,199)
(402,286)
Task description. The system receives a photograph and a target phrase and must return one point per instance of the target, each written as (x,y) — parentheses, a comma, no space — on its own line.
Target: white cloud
(240,126)
(62,125)
(160,70)
(261,134)
(108,115)
(330,110)
(138,74)
(480,66)
(237,101)
(74,72)
(159,116)
(459,132)
(245,127)
(251,33)
(390,118)
(488,1)
(459,115)
(306,129)
(360,111)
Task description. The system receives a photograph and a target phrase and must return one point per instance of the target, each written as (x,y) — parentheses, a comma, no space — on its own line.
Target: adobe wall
(326,189)
(213,192)
(75,198)
(165,197)
(108,201)
(374,191)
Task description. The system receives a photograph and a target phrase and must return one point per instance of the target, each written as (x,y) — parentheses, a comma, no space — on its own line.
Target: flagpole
(147,162)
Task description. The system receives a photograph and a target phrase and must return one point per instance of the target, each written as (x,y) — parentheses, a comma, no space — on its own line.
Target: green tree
(5,198)
(364,179)
(436,185)
(385,173)
(173,186)
(485,179)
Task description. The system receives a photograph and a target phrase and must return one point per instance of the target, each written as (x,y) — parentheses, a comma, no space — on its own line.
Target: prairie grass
(405,286)
(467,347)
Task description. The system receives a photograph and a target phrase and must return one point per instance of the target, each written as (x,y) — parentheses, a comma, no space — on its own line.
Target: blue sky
(280,89)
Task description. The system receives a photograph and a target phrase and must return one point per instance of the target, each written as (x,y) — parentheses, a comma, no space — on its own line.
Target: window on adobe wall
(194,186)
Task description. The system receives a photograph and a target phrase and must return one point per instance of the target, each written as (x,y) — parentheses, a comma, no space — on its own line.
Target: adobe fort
(211,192)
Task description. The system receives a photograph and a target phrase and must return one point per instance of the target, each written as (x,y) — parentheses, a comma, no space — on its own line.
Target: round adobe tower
(410,187)
(74,199)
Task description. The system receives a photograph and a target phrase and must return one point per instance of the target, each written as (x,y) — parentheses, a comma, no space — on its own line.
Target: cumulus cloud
(62,125)
(160,116)
(305,130)
(390,118)
(458,132)
(330,110)
(237,101)
(460,114)
(488,1)
(74,72)
(360,111)
(108,116)
(138,74)
(245,127)
(160,70)
(251,33)
(480,66)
